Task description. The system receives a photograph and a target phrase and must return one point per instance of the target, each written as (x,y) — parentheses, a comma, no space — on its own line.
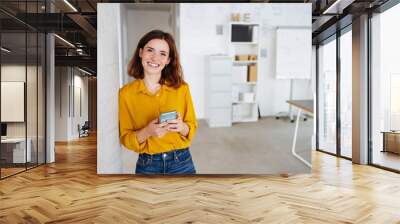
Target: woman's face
(155,56)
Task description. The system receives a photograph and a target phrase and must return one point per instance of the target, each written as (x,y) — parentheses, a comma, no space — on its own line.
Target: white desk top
(13,140)
(306,105)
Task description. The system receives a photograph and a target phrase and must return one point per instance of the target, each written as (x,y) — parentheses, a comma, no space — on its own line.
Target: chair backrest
(86,125)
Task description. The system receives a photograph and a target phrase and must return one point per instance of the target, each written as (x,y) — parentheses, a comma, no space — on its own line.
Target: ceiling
(76,22)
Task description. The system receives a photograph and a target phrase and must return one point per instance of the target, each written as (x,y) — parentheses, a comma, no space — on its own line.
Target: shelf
(243,102)
(244,43)
(244,62)
(245,83)
(243,23)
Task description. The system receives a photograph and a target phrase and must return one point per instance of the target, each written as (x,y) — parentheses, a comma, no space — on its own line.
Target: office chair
(84,130)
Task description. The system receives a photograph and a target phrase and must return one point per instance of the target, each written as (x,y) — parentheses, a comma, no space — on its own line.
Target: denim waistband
(170,155)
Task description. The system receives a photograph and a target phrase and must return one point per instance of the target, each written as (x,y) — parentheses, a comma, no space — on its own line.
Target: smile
(153,65)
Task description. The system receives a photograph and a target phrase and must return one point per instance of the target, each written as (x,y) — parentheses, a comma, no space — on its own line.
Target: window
(327,96)
(346,93)
(385,89)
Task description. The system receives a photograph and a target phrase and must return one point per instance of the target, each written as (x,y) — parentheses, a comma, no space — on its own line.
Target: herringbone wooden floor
(70,191)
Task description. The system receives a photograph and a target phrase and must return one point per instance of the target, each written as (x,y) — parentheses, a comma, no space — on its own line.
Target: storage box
(252,73)
(241,57)
(235,17)
(252,57)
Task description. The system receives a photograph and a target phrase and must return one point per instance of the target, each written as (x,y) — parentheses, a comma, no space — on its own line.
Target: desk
(17,150)
(308,107)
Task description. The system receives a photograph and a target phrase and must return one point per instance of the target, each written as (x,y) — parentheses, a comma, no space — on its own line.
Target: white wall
(66,121)
(136,22)
(314,90)
(33,126)
(61,103)
(198,38)
(50,96)
(109,80)
(80,83)
(16,72)
(140,22)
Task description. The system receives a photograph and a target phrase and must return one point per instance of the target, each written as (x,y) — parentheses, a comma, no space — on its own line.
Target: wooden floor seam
(70,191)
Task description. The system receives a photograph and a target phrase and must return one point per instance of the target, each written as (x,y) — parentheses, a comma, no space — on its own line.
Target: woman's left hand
(177,125)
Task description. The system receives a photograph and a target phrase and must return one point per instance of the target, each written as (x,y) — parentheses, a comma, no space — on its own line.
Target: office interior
(22,99)
(240,103)
(75,84)
(48,72)
(39,108)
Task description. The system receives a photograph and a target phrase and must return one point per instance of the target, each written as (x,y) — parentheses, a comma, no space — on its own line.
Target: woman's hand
(177,125)
(156,130)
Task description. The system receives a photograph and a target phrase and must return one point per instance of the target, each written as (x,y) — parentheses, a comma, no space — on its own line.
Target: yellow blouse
(137,107)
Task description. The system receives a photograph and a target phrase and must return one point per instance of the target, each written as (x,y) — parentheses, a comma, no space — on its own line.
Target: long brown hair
(172,74)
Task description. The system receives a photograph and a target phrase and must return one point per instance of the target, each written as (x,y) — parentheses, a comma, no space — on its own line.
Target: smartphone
(166,116)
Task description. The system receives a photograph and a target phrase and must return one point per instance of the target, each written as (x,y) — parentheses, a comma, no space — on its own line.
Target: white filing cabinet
(218,91)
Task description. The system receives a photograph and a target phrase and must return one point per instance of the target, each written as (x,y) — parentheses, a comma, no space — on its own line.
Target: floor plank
(70,191)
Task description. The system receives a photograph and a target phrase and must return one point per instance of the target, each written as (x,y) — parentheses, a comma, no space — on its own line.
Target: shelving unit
(244,90)
(231,85)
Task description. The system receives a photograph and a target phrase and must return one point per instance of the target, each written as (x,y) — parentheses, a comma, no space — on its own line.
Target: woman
(159,87)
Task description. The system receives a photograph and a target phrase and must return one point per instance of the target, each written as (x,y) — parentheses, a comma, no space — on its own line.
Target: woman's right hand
(155,129)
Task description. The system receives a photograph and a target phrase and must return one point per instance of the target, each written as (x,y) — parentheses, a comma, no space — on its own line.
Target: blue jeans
(173,162)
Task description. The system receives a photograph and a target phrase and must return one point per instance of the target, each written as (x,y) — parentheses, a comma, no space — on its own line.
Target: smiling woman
(163,147)
(156,115)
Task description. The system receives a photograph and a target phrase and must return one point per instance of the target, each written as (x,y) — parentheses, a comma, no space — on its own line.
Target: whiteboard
(12,101)
(293,53)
